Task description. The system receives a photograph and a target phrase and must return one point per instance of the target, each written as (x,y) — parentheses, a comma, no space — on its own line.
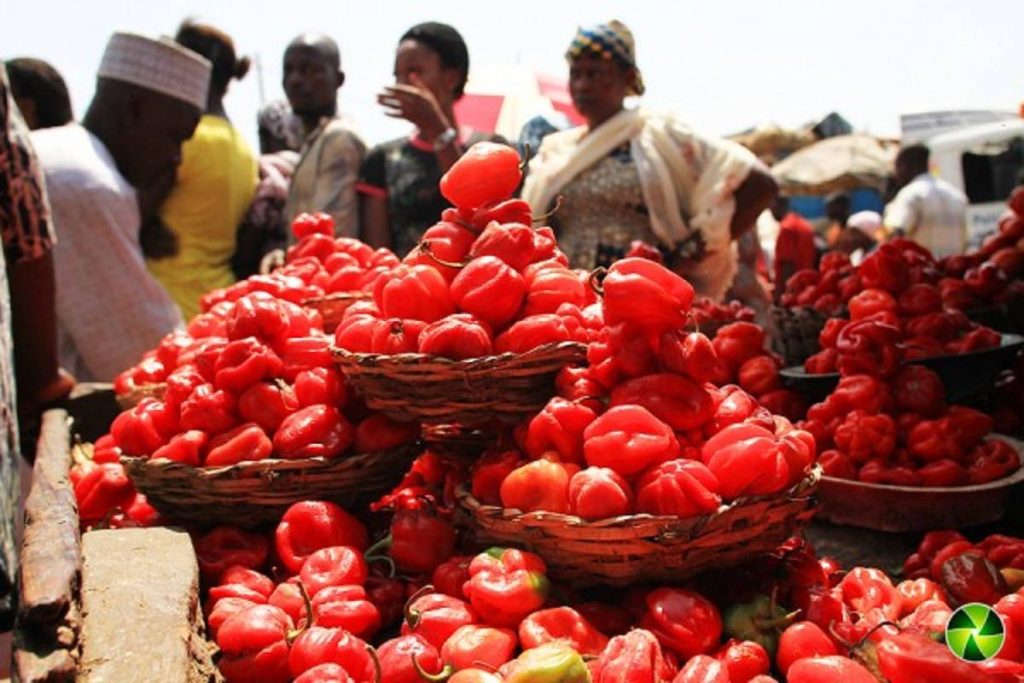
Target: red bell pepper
(310,525)
(180,385)
(802,640)
(635,657)
(918,389)
(559,427)
(346,607)
(396,659)
(548,289)
(538,485)
(209,409)
(885,269)
(908,657)
(338,565)
(561,623)
(458,336)
(677,401)
(682,620)
(531,332)
(421,536)
(862,436)
(822,362)
(932,440)
(971,577)
(683,488)
(320,385)
(511,242)
(746,460)
(476,645)
(443,246)
(864,589)
(943,472)
(355,333)
(395,336)
(508,211)
(267,404)
(869,347)
(738,342)
(647,295)
(487,173)
(100,489)
(869,302)
(690,353)
(259,315)
(435,617)
(325,673)
(318,223)
(992,460)
(628,439)
(490,290)
(416,292)
(759,375)
(224,546)
(490,471)
(863,392)
(913,592)
(703,669)
(379,433)
(144,428)
(829,669)
(451,575)
(506,585)
(185,447)
(744,659)
(316,431)
(243,363)
(247,441)
(320,645)
(254,647)
(599,493)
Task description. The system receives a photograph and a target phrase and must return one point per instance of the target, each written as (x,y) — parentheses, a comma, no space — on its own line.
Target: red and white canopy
(501,99)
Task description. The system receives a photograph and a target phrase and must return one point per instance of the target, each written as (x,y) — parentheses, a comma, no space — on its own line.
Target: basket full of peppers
(642,467)
(475,323)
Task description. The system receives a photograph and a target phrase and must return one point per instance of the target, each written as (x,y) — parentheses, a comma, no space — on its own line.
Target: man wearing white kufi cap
(149,95)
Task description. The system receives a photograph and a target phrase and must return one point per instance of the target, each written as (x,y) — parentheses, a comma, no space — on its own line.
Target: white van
(985,161)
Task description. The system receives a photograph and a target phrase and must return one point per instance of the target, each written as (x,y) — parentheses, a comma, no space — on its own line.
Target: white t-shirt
(110,310)
(931,212)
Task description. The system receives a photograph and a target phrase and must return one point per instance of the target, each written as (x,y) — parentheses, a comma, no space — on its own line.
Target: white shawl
(687,179)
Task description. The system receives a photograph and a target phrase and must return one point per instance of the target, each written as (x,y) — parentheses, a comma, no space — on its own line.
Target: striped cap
(161,65)
(611,40)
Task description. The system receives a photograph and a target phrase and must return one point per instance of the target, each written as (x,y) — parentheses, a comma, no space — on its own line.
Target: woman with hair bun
(213,188)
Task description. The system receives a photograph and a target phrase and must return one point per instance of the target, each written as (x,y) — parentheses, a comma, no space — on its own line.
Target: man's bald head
(322,44)
(312,77)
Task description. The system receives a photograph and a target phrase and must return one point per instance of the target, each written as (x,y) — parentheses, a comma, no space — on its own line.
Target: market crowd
(116,222)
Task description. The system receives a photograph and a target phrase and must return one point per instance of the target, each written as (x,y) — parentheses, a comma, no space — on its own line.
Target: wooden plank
(50,551)
(141,620)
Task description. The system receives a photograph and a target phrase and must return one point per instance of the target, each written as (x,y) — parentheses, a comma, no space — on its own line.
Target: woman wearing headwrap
(631,174)
(398,184)
(213,187)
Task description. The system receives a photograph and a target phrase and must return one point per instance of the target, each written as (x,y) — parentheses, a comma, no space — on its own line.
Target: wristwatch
(446,138)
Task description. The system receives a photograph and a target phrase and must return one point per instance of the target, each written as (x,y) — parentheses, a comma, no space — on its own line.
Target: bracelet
(446,138)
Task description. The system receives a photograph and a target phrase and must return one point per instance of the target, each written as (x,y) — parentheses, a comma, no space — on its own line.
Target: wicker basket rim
(799,490)
(265,466)
(568,347)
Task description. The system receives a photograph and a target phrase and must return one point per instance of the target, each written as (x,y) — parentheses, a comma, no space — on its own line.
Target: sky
(724,65)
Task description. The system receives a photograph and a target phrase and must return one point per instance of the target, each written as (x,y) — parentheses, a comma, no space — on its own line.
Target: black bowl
(965,376)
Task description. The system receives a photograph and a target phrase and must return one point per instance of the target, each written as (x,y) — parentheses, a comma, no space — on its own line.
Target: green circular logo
(975,632)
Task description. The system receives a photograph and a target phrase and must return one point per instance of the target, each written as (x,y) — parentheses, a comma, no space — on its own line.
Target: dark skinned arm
(754,195)
(40,380)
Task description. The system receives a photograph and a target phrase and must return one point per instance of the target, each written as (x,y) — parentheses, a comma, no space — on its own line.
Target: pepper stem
(295,633)
(544,216)
(412,616)
(443,675)
(426,248)
(592,279)
(378,673)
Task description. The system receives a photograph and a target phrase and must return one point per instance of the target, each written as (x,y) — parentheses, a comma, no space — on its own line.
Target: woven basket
(333,306)
(252,494)
(435,390)
(453,439)
(625,550)
(134,397)
(797,331)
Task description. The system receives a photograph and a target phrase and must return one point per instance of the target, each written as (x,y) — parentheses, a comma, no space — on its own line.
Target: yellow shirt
(215,185)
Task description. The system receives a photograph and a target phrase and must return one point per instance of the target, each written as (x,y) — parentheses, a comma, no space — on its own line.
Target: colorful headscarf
(612,40)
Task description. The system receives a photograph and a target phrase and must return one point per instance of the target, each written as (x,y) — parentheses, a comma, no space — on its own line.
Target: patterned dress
(27,235)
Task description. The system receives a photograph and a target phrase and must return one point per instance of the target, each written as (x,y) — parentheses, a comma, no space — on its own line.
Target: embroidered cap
(161,65)
(611,40)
